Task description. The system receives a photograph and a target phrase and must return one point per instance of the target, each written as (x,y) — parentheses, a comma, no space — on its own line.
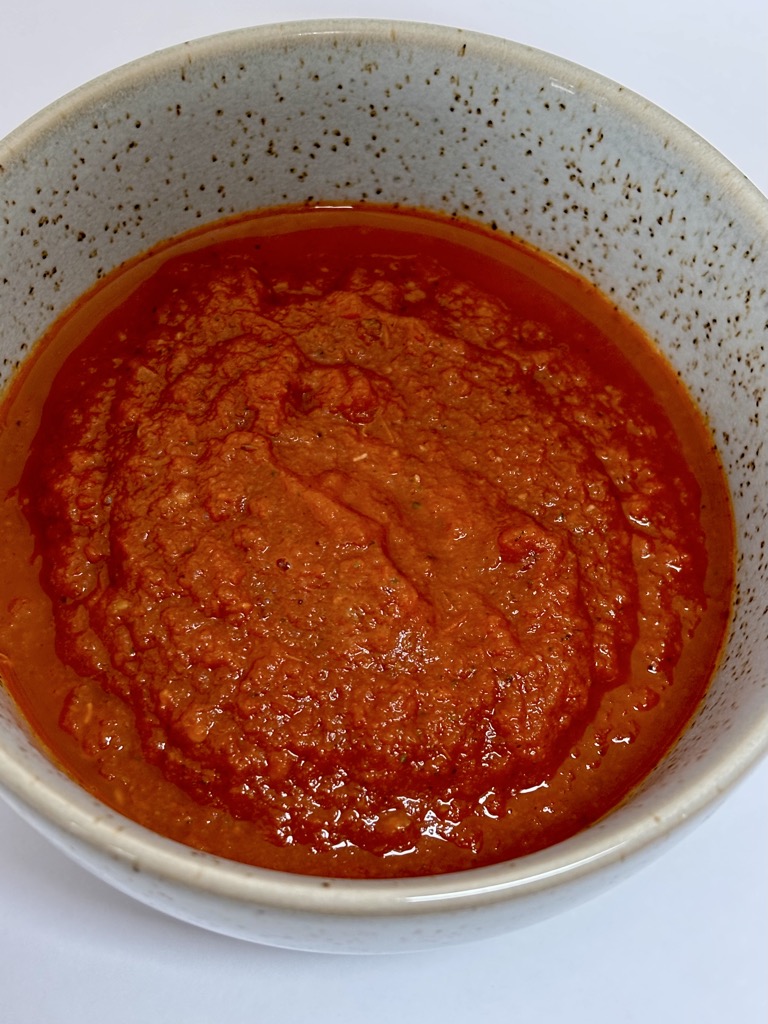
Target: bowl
(465,124)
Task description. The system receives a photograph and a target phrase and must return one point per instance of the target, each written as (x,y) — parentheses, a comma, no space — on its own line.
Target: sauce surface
(365,546)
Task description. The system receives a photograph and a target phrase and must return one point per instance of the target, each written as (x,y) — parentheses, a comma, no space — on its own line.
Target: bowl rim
(621,834)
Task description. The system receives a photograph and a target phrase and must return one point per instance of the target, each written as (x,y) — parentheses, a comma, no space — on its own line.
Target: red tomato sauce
(358,543)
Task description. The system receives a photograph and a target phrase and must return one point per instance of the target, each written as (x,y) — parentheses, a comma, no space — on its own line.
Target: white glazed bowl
(404,113)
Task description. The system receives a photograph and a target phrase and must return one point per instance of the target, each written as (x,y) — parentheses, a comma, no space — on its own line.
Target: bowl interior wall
(472,127)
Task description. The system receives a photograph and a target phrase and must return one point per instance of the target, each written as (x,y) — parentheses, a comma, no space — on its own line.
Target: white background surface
(686,939)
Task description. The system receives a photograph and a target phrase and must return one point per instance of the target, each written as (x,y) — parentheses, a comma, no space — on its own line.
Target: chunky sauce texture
(365,546)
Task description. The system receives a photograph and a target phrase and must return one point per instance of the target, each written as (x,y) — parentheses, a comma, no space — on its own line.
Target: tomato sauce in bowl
(358,542)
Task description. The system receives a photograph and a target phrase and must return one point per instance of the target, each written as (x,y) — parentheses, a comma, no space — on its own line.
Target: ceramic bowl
(344,111)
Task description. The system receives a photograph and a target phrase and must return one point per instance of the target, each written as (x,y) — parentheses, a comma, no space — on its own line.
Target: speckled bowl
(406,113)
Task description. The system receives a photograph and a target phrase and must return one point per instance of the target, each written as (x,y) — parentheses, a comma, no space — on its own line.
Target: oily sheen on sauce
(357,542)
